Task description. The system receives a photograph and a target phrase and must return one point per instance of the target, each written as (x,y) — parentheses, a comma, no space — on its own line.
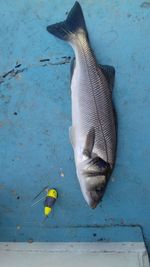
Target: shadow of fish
(93,133)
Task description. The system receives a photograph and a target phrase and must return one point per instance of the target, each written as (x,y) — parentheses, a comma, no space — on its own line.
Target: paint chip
(113,179)
(18,227)
(62,174)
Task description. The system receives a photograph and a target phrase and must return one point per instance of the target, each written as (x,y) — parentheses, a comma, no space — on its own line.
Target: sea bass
(93,132)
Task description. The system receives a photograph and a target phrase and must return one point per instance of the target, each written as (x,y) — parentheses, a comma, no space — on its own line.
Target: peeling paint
(14,73)
(145,4)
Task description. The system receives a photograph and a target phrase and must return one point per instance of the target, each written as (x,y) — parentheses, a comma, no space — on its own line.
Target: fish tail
(74,23)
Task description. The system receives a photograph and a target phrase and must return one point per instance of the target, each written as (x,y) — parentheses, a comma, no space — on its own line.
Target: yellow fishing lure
(50,201)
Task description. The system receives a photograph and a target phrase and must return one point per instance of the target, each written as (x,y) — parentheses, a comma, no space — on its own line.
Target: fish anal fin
(72,67)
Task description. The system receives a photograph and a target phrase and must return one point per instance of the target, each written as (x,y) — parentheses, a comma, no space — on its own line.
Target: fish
(93,130)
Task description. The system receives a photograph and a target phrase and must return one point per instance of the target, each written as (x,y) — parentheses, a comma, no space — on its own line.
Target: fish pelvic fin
(75,22)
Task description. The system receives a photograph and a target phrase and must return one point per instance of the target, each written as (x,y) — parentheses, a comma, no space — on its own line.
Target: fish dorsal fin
(109,72)
(89,143)
(72,67)
(72,136)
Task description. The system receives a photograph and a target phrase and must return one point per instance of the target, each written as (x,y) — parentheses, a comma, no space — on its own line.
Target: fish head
(93,176)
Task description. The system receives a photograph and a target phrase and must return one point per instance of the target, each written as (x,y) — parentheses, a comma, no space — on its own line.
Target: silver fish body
(93,132)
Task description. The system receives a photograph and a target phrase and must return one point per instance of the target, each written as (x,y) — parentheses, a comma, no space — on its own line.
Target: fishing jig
(49,200)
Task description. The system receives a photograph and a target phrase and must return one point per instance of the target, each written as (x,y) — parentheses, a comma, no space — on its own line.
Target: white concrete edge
(132,248)
(110,247)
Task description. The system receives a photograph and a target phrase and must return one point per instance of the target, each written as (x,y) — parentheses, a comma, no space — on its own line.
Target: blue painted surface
(35,116)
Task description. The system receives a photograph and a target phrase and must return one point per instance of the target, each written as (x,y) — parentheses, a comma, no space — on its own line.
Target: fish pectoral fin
(109,72)
(72,136)
(89,143)
(72,67)
(97,166)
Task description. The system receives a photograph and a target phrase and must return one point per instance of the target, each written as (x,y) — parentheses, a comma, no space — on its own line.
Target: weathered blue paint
(35,116)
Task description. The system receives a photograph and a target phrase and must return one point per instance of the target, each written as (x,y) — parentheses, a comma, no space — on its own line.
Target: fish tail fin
(75,22)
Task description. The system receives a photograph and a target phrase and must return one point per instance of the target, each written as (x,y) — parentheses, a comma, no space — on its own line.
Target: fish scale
(94,90)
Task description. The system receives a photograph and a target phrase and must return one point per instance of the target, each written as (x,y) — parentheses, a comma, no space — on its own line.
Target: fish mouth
(95,192)
(94,197)
(93,188)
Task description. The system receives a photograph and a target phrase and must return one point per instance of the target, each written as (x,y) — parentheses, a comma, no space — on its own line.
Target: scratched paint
(36,114)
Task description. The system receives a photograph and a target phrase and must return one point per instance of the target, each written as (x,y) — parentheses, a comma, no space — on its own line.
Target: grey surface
(129,254)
